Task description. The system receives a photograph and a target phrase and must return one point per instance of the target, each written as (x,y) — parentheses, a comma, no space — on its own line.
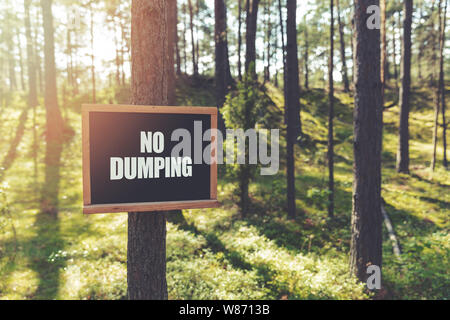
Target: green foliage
(318,197)
(213,253)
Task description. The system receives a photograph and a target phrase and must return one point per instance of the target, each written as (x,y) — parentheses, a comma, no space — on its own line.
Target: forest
(357,88)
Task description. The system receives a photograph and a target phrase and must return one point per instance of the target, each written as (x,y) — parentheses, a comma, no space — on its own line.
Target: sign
(145,158)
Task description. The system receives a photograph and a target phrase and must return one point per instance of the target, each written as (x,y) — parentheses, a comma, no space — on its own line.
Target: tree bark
(383,48)
(442,23)
(223,74)
(152,68)
(342,42)
(283,50)
(250,54)
(330,153)
(306,57)
(434,82)
(292,103)
(405,91)
(394,53)
(191,17)
(54,127)
(21,64)
(32,86)
(239,39)
(94,98)
(366,239)
(32,82)
(177,47)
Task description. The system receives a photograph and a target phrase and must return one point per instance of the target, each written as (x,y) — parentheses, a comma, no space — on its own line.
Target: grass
(214,253)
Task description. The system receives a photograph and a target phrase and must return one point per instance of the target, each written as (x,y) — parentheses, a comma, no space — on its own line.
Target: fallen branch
(390,229)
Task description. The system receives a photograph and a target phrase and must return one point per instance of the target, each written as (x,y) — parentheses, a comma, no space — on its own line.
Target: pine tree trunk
(383,48)
(191,17)
(292,103)
(342,42)
(8,39)
(239,39)
(306,57)
(394,54)
(330,154)
(223,74)
(94,98)
(443,19)
(366,239)
(177,47)
(433,83)
(32,82)
(21,64)
(283,49)
(268,38)
(32,86)
(250,54)
(152,68)
(405,91)
(54,127)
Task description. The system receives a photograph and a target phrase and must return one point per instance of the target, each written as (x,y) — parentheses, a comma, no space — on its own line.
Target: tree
(330,154)
(32,83)
(292,103)
(366,239)
(306,56)
(191,19)
(405,90)
(342,43)
(54,122)
(92,53)
(239,39)
(250,36)
(433,86)
(152,68)
(442,26)
(383,47)
(32,86)
(223,74)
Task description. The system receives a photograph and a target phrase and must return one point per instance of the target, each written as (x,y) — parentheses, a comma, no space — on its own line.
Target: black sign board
(129,163)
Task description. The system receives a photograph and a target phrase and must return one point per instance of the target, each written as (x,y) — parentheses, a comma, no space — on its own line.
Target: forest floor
(215,253)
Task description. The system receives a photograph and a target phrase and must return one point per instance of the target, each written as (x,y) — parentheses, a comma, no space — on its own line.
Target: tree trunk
(394,53)
(330,154)
(223,74)
(32,87)
(191,17)
(383,48)
(342,42)
(32,82)
(177,47)
(435,40)
(239,39)
(250,54)
(54,128)
(366,240)
(306,57)
(268,38)
(8,39)
(152,68)
(94,98)
(21,64)
(405,74)
(185,28)
(292,103)
(283,50)
(442,23)
(37,55)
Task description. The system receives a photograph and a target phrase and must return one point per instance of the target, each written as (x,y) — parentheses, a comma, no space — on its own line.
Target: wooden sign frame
(89,208)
